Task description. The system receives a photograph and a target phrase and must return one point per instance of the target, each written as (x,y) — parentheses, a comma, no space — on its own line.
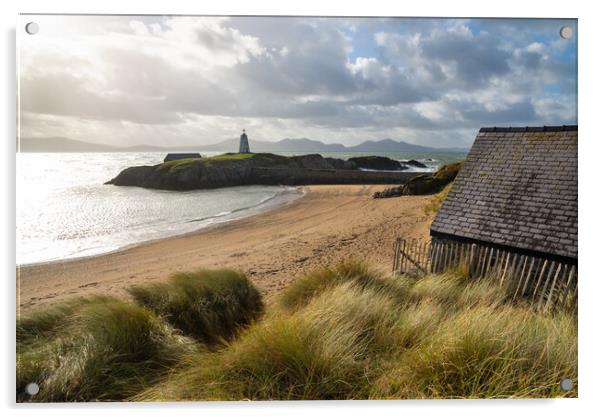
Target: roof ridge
(563,128)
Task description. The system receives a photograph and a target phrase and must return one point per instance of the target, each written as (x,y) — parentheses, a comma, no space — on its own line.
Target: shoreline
(296,193)
(323,226)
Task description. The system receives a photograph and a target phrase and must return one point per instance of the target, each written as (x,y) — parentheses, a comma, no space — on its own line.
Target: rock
(341,163)
(415,163)
(389,192)
(377,162)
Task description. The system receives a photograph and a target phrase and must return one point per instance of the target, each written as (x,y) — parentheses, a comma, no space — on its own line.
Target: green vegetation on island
(346,332)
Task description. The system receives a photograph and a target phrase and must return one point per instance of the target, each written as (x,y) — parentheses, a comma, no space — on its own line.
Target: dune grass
(306,287)
(97,349)
(347,332)
(210,306)
(433,206)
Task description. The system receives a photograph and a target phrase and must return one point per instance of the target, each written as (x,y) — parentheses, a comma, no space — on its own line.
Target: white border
(589,180)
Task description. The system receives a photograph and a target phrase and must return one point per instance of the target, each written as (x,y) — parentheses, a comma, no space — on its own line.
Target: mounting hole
(32,388)
(566,384)
(566,32)
(32,28)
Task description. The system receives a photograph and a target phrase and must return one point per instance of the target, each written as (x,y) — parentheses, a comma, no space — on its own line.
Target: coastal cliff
(229,170)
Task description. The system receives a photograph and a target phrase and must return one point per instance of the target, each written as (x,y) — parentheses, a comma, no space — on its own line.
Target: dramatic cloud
(195,80)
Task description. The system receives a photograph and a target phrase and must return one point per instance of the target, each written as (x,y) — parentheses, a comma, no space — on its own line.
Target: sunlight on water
(64,209)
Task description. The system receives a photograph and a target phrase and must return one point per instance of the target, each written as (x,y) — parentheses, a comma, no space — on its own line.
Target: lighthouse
(244,143)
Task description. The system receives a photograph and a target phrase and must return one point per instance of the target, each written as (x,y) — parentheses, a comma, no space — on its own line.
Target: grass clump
(432,184)
(176,163)
(433,206)
(308,286)
(102,349)
(487,352)
(209,305)
(232,157)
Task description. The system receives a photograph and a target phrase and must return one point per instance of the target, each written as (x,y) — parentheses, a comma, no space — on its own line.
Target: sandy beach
(327,224)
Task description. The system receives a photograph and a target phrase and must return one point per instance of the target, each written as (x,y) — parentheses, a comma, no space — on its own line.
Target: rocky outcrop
(377,162)
(423,183)
(341,163)
(244,169)
(415,163)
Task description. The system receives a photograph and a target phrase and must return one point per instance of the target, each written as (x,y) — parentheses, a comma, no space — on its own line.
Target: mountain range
(302,145)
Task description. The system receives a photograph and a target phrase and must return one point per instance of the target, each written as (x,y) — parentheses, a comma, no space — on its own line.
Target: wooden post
(488,262)
(479,265)
(423,256)
(545,285)
(505,269)
(462,254)
(497,259)
(551,290)
(395,252)
(445,256)
(401,261)
(528,277)
(545,263)
(521,275)
(434,254)
(427,256)
(473,248)
(482,261)
(568,285)
(511,272)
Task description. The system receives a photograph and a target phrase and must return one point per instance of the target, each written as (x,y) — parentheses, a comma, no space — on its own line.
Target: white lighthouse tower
(244,143)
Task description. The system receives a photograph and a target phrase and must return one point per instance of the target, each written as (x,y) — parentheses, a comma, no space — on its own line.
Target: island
(233,169)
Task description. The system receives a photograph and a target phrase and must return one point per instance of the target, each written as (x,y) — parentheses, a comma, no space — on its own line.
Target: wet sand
(327,224)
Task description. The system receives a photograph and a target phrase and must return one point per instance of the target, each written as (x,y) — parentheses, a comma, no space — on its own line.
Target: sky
(172,80)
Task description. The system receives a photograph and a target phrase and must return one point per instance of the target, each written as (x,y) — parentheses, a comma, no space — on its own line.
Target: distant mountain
(388,145)
(309,145)
(301,145)
(285,145)
(58,144)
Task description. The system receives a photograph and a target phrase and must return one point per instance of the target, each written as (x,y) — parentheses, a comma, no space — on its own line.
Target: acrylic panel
(217,208)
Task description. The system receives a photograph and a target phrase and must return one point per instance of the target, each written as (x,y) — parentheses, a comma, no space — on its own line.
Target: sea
(64,209)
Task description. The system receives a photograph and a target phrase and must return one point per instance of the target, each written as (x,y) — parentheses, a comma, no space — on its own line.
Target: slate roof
(517,188)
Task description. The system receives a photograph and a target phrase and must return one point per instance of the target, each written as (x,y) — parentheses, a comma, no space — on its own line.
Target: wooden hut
(517,191)
(511,215)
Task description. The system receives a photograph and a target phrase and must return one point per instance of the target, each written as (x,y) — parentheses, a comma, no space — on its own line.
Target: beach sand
(327,224)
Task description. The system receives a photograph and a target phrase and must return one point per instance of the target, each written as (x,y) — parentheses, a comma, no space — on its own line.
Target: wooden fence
(543,282)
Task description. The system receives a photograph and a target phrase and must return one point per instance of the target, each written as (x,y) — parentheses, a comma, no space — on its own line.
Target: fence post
(471,260)
(505,269)
(568,285)
(436,256)
(551,290)
(395,252)
(545,263)
(528,277)
(545,285)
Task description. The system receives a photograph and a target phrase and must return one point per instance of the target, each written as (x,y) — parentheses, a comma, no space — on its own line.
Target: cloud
(152,79)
